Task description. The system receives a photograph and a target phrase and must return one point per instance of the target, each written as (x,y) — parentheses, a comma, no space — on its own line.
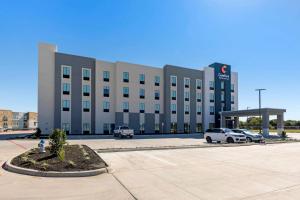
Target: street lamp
(247,118)
(259,110)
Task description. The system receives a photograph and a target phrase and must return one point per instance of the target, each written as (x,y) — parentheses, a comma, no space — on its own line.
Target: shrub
(57,142)
(38,133)
(283,135)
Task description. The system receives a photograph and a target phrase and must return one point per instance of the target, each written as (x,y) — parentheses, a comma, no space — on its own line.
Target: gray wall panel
(134,122)
(149,123)
(77,63)
(180,72)
(119,119)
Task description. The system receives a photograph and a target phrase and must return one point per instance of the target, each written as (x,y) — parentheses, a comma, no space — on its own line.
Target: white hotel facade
(84,95)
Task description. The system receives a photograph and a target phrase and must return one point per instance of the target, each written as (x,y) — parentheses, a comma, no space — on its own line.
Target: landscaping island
(58,159)
(77,158)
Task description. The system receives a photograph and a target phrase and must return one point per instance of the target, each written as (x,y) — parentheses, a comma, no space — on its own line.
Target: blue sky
(259,38)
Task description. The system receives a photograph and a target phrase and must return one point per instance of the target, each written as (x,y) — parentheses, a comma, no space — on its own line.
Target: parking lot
(246,172)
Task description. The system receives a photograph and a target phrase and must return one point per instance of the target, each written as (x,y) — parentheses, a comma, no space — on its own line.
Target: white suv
(223,135)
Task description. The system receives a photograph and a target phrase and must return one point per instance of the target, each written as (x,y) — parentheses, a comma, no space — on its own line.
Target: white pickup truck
(123,131)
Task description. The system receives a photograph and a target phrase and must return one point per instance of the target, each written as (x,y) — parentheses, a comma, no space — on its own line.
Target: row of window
(86,105)
(108,128)
(186,127)
(86,73)
(186,109)
(86,89)
(173,82)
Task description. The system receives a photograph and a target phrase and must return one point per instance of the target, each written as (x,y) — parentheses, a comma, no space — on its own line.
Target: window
(198,127)
(156,128)
(186,96)
(66,88)
(198,84)
(142,78)
(86,128)
(198,96)
(187,109)
(86,106)
(186,127)
(86,73)
(157,108)
(222,85)
(232,99)
(106,76)
(156,80)
(212,110)
(232,87)
(106,128)
(173,94)
(106,91)
(142,93)
(86,90)
(173,80)
(186,82)
(199,109)
(106,106)
(126,77)
(211,85)
(156,94)
(125,107)
(142,107)
(223,98)
(173,128)
(173,108)
(211,97)
(66,72)
(66,105)
(125,91)
(66,127)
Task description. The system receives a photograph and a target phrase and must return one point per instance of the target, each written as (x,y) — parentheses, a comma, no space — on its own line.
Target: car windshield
(124,127)
(227,130)
(249,132)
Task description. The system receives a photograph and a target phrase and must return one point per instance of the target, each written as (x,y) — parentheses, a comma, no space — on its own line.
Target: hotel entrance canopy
(264,112)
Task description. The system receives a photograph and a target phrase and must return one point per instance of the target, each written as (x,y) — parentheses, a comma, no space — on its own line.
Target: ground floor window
(156,128)
(198,127)
(106,128)
(142,128)
(66,127)
(86,128)
(211,125)
(173,128)
(186,128)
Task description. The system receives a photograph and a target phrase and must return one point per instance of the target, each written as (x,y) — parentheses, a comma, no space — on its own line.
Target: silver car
(250,136)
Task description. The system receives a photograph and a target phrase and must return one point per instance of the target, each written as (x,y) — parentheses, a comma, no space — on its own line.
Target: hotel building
(83,95)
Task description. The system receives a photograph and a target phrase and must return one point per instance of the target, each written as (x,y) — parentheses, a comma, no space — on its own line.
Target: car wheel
(230,140)
(249,139)
(208,139)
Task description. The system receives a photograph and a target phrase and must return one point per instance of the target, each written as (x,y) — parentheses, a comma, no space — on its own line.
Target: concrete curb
(111,150)
(12,168)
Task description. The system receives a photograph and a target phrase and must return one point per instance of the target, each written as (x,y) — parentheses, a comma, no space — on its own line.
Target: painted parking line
(146,154)
(19,145)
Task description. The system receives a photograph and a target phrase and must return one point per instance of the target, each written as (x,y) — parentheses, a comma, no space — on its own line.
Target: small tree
(38,133)
(283,135)
(57,142)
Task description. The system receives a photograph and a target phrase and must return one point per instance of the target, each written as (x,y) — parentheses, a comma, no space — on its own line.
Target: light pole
(259,101)
(247,117)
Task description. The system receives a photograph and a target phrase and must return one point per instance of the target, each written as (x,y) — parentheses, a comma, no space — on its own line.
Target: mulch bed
(77,158)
